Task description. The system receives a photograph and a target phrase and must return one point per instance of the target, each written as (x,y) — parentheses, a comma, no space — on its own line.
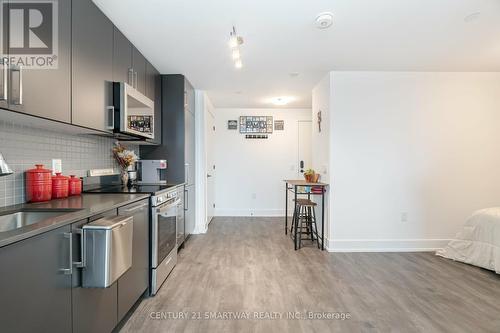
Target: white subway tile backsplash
(24,146)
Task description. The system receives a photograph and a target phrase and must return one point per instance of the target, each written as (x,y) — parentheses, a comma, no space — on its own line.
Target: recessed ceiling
(190,37)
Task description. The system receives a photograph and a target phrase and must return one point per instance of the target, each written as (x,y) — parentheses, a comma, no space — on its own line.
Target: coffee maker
(152,172)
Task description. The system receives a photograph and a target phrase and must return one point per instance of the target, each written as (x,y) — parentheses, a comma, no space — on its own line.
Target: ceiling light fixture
(236,54)
(281,100)
(235,42)
(324,20)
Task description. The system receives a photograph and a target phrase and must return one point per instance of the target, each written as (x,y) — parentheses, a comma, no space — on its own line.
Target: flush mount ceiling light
(281,100)
(235,42)
(324,20)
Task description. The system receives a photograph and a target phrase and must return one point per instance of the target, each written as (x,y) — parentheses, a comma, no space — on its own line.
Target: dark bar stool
(304,222)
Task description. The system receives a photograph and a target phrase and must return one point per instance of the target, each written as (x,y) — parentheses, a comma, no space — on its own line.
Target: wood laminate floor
(247,265)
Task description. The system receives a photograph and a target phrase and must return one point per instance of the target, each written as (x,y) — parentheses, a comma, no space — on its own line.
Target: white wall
(424,144)
(250,172)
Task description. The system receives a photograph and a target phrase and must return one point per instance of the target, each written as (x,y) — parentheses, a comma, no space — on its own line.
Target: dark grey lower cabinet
(94,309)
(135,281)
(35,291)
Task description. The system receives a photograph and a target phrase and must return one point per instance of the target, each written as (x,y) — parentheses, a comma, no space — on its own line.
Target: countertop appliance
(152,172)
(133,112)
(167,225)
(107,250)
(5,170)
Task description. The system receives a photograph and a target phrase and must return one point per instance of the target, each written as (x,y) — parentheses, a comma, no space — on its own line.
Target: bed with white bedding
(478,243)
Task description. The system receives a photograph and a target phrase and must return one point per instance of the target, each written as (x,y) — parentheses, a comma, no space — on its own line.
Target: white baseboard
(250,212)
(385,245)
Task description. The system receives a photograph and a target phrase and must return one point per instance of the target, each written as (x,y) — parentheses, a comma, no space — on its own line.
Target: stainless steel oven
(164,236)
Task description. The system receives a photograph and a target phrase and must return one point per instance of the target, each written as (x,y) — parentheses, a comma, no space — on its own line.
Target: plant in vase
(125,158)
(311,176)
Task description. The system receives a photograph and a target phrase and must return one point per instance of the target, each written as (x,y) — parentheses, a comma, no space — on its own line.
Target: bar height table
(293,186)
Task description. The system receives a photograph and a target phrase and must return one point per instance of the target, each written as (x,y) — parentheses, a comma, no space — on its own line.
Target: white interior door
(304,161)
(210,167)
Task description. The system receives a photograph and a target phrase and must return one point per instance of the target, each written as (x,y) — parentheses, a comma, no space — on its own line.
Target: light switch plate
(56,166)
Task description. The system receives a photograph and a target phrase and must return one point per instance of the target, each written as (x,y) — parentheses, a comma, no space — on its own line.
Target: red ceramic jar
(59,186)
(75,185)
(38,184)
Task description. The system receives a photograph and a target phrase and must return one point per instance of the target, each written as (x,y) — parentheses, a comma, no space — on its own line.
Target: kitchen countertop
(88,205)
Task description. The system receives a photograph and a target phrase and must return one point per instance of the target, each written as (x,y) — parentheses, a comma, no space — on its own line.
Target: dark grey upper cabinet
(94,309)
(139,66)
(92,66)
(43,92)
(35,291)
(134,282)
(122,58)
(153,91)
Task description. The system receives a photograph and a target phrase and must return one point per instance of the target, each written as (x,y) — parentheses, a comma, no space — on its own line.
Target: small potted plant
(311,176)
(126,159)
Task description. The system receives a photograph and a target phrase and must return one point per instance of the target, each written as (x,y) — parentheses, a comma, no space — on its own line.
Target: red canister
(59,186)
(75,185)
(38,184)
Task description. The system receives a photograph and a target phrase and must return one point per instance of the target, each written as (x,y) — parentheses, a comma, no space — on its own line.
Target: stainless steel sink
(23,218)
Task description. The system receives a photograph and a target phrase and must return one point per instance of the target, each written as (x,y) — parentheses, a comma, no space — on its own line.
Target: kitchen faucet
(5,170)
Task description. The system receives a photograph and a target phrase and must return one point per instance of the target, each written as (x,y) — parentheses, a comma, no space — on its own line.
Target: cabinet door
(92,66)
(35,292)
(135,281)
(94,309)
(189,207)
(45,92)
(153,91)
(139,66)
(122,58)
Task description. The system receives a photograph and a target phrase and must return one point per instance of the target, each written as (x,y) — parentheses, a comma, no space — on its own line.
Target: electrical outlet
(404,217)
(56,166)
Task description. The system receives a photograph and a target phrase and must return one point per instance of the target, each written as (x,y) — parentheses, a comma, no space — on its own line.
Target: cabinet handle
(135,80)
(111,117)
(5,81)
(83,262)
(19,100)
(69,271)
(133,209)
(130,76)
(186,200)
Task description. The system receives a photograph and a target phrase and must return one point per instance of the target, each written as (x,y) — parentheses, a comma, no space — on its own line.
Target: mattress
(478,242)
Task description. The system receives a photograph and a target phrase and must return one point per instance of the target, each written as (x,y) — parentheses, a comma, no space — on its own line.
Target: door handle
(186,201)
(69,271)
(135,80)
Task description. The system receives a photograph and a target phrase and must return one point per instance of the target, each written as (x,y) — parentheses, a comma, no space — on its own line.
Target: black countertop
(87,204)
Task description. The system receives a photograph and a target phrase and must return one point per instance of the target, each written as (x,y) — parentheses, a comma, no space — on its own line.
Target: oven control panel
(163,197)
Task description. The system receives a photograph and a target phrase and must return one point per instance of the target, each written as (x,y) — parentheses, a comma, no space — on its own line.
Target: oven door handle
(166,207)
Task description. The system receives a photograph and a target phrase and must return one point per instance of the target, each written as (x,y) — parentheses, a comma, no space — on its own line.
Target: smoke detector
(324,20)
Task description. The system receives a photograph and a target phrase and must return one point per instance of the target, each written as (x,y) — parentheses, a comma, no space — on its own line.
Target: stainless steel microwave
(133,112)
